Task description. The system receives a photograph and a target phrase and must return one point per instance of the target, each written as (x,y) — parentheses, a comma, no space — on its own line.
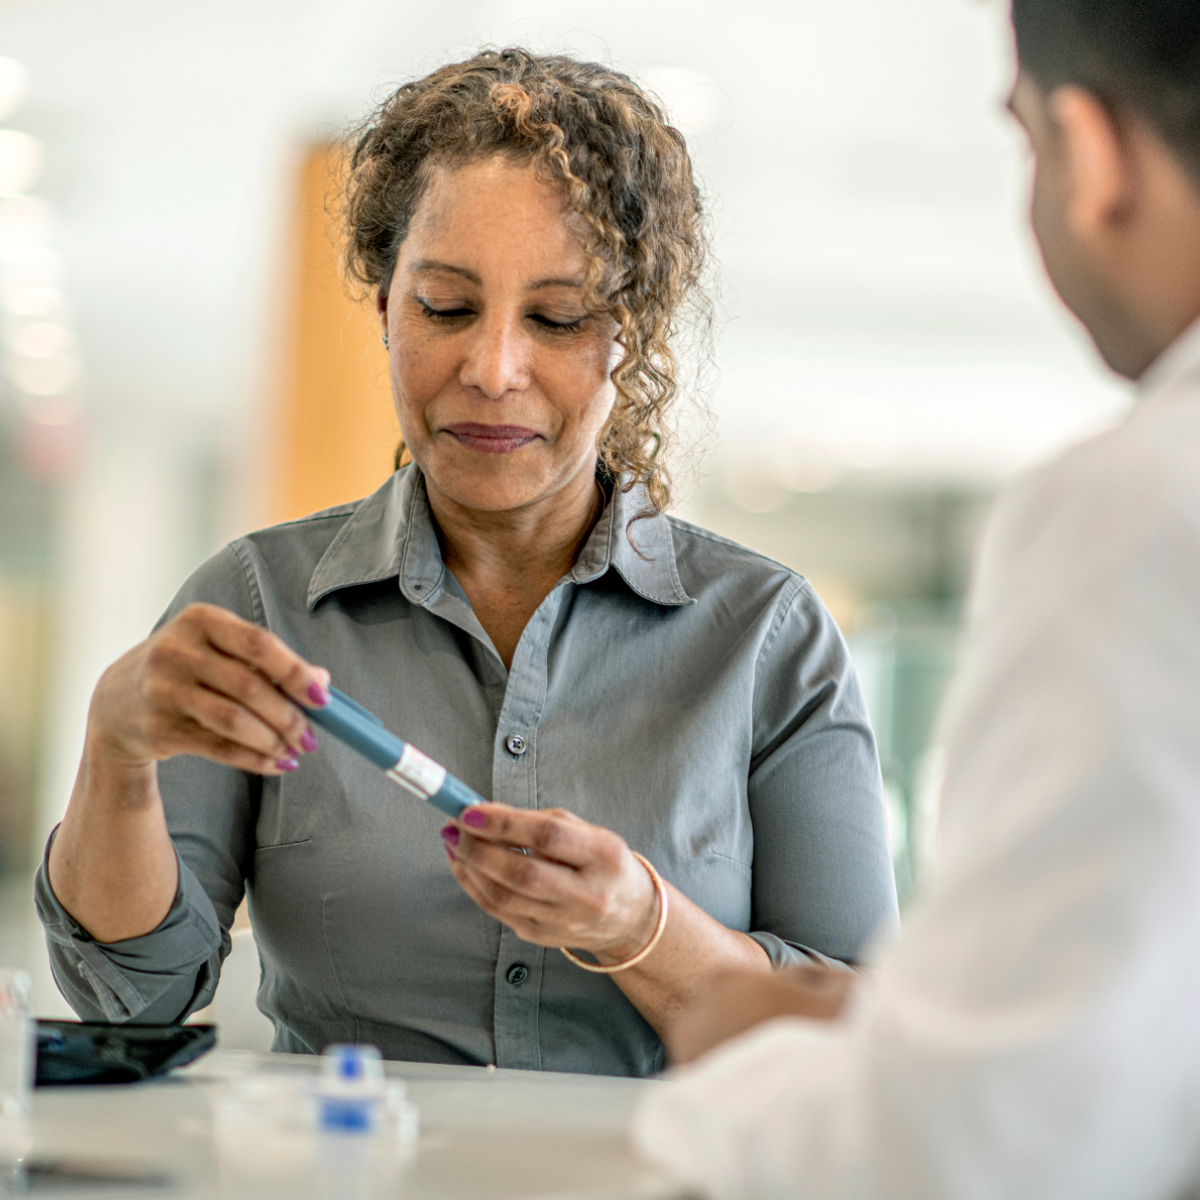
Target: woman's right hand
(211,684)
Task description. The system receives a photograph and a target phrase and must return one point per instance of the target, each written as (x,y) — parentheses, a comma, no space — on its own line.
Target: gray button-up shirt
(688,693)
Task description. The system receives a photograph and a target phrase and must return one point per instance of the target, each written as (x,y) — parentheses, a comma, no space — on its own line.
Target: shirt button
(517,974)
(515,744)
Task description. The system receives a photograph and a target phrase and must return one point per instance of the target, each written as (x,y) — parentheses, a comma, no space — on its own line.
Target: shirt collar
(640,548)
(392,534)
(1179,361)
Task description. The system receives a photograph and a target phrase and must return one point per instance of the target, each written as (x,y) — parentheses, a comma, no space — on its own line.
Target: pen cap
(352,1068)
(351,1089)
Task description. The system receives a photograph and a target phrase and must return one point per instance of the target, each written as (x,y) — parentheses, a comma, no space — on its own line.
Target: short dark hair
(1138,56)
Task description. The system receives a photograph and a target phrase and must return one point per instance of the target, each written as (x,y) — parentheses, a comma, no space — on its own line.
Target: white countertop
(484,1133)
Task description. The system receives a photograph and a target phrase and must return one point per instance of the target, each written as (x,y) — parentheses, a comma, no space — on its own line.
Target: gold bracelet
(661,891)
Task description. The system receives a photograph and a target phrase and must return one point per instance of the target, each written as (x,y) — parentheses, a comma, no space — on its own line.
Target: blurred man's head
(1109,91)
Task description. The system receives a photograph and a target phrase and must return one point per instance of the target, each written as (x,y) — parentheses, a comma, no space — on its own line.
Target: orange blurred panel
(337,429)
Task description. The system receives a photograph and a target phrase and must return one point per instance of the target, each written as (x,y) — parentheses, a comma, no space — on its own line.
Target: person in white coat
(1035,1030)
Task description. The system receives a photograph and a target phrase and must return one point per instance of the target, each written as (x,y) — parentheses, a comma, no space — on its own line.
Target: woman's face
(501,379)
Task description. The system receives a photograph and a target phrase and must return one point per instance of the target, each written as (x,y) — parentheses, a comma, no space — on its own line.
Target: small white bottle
(16,1045)
(351,1091)
(16,1078)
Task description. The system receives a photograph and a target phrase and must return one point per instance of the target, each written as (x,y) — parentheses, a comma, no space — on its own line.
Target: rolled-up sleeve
(155,979)
(822,877)
(170,972)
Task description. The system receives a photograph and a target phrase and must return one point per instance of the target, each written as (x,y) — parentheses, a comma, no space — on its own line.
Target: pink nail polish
(450,834)
(287,764)
(308,743)
(475,818)
(318,695)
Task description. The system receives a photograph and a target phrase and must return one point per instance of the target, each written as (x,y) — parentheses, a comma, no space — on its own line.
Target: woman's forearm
(582,887)
(206,683)
(112,865)
(693,951)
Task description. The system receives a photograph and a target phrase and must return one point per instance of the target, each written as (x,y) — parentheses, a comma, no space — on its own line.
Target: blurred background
(179,365)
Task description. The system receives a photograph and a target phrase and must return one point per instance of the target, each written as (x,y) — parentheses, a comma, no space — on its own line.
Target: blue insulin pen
(400,761)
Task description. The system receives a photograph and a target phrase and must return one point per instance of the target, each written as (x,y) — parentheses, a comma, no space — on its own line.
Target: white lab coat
(1035,1032)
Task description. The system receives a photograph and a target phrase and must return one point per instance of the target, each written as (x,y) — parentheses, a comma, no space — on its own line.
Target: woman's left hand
(577,886)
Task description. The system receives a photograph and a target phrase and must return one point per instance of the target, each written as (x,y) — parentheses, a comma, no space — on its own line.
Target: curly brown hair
(621,167)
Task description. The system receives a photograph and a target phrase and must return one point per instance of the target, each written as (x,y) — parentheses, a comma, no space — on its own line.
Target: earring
(385,345)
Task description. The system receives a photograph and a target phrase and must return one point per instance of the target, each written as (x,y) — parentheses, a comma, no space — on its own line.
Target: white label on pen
(419,772)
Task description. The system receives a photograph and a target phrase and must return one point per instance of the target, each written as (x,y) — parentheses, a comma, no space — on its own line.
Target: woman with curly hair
(667,725)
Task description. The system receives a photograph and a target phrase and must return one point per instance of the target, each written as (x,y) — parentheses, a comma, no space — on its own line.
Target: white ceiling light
(31,257)
(43,376)
(20,161)
(25,221)
(13,78)
(42,339)
(34,301)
